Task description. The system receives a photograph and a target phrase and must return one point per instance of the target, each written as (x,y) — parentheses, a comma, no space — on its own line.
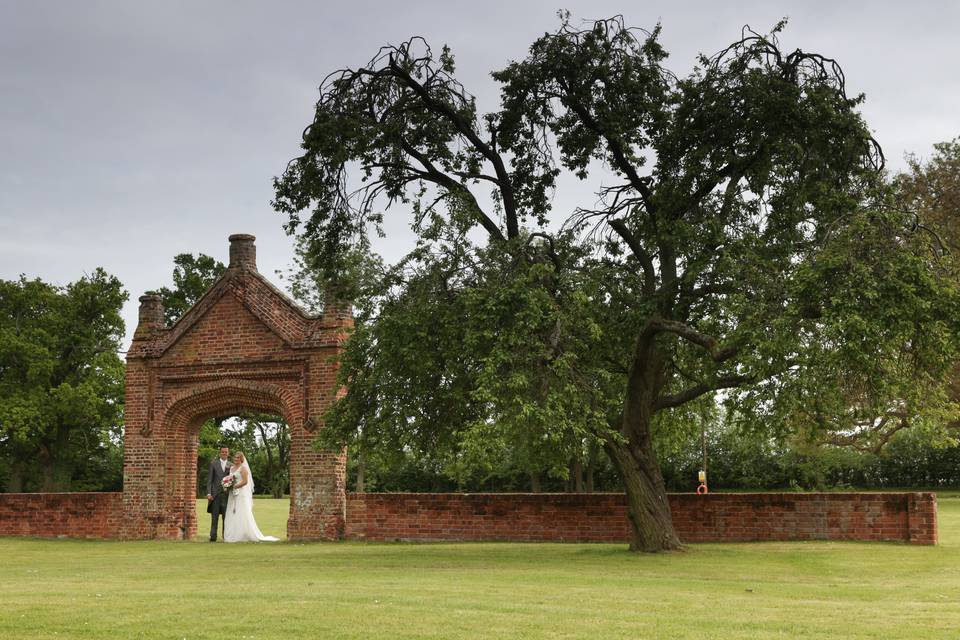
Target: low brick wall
(601,517)
(556,517)
(907,517)
(54,515)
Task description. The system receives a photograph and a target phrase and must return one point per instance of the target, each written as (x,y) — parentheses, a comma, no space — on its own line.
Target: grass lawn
(80,589)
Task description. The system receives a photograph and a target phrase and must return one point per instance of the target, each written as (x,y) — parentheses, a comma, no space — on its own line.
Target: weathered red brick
(61,515)
(602,517)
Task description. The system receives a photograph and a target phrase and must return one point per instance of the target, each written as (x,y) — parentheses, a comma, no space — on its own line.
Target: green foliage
(931,190)
(461,342)
(359,279)
(61,382)
(192,276)
(738,459)
(873,357)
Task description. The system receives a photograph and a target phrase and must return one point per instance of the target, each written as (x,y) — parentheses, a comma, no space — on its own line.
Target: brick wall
(909,517)
(52,515)
(595,517)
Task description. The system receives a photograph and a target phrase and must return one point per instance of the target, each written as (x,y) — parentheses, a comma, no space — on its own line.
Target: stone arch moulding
(243,346)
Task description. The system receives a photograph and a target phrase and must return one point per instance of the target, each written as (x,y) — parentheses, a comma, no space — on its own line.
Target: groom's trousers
(218,512)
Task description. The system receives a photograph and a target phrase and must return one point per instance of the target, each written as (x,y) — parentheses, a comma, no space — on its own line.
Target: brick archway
(243,346)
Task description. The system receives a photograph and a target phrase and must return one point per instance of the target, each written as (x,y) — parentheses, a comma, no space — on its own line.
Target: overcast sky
(133,131)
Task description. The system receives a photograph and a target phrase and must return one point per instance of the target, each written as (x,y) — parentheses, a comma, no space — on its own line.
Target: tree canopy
(742,245)
(61,379)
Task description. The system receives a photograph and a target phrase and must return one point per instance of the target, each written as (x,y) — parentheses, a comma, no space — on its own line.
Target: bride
(239,524)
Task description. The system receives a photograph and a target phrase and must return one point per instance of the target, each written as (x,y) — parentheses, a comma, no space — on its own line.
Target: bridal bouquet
(230,481)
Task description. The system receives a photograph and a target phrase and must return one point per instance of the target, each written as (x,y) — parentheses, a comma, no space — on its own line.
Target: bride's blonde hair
(243,458)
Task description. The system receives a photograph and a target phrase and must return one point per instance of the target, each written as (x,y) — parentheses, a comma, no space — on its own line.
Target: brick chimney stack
(336,310)
(151,316)
(243,251)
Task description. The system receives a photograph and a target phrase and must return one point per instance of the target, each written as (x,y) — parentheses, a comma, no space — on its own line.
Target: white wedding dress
(239,524)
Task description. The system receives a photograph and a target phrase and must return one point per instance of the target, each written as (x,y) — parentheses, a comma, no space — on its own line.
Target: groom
(216,496)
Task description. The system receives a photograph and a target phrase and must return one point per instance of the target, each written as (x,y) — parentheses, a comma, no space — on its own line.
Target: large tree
(739,243)
(61,378)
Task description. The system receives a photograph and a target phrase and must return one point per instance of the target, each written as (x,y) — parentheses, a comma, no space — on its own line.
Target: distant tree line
(735,462)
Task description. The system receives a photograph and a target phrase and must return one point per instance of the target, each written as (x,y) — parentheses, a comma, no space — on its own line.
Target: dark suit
(217,507)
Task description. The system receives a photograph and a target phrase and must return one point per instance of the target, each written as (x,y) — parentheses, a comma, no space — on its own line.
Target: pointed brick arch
(244,346)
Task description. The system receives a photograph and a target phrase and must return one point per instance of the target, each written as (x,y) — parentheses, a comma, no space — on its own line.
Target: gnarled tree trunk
(648,510)
(576,475)
(55,473)
(55,476)
(632,454)
(590,471)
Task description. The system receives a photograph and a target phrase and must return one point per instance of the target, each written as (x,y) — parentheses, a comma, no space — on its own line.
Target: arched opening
(187,418)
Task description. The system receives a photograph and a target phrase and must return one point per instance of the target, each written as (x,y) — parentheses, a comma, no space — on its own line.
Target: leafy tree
(929,195)
(741,242)
(61,379)
(192,276)
(931,190)
(272,453)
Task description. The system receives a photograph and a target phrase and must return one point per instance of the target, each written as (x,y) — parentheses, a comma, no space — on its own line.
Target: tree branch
(646,262)
(503,177)
(616,149)
(688,333)
(699,389)
(442,179)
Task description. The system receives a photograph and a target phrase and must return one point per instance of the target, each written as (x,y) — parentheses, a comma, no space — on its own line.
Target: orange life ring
(702,489)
